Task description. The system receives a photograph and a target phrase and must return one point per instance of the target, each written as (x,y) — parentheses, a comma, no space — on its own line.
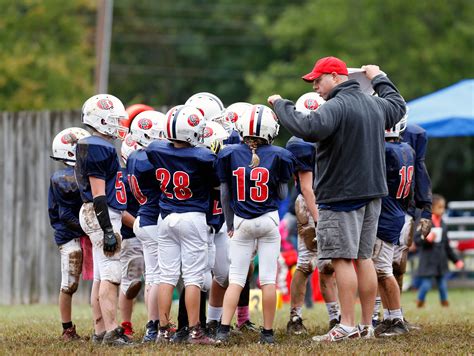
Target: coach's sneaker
(247,326)
(198,336)
(151,331)
(116,337)
(180,336)
(366,331)
(266,337)
(295,326)
(70,334)
(396,327)
(98,338)
(165,334)
(211,328)
(337,333)
(223,335)
(127,329)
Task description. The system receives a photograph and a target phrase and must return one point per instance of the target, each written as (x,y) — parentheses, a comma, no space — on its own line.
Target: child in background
(434,254)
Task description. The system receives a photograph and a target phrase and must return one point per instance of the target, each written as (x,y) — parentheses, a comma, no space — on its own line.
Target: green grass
(34,329)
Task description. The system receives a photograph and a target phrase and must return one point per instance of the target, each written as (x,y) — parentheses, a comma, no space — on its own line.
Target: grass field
(34,329)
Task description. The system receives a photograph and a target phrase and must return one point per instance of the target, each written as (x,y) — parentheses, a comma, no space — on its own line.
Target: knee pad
(206,286)
(75,263)
(305,268)
(328,268)
(133,289)
(71,289)
(381,275)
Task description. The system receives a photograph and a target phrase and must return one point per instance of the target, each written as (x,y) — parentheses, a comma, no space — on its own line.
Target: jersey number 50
(260,176)
(406,177)
(180,181)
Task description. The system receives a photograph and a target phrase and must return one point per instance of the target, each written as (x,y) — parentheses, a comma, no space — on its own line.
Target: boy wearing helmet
(253,177)
(307,216)
(104,196)
(131,253)
(64,203)
(147,127)
(186,178)
(400,161)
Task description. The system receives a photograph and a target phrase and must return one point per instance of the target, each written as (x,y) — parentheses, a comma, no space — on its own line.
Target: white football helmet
(233,114)
(209,105)
(309,102)
(184,123)
(65,142)
(106,114)
(398,128)
(147,127)
(259,121)
(128,146)
(213,131)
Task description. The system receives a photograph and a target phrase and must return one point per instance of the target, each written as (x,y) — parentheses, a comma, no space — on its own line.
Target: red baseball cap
(326,65)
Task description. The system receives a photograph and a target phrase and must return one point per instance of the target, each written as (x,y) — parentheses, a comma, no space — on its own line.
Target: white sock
(333,310)
(395,314)
(386,314)
(346,328)
(296,310)
(378,303)
(214,313)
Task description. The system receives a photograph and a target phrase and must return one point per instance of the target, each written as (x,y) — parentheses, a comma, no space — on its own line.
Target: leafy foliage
(46,54)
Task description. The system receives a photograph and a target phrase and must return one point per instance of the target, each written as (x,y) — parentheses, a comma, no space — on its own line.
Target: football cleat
(295,326)
(266,339)
(247,326)
(211,328)
(98,338)
(393,327)
(366,332)
(198,336)
(336,334)
(70,334)
(116,337)
(165,334)
(151,331)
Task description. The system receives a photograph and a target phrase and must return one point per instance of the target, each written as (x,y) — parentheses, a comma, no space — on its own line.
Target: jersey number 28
(260,176)
(180,181)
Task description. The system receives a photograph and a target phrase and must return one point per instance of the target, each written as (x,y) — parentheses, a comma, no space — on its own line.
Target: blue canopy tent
(447,112)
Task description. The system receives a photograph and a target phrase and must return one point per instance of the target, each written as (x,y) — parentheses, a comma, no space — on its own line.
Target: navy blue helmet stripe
(173,127)
(259,120)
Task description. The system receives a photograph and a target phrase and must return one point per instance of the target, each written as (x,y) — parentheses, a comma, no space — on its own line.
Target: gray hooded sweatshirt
(349,134)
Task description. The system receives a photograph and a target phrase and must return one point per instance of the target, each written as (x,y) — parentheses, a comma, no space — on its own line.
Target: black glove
(110,242)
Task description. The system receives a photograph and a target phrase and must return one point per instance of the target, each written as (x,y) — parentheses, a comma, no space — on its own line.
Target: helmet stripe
(252,117)
(259,120)
(168,123)
(215,98)
(176,119)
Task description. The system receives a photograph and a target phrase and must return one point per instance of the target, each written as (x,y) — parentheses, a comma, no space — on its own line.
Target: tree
(47,54)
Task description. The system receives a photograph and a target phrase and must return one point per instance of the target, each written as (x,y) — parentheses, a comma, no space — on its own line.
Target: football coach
(350,178)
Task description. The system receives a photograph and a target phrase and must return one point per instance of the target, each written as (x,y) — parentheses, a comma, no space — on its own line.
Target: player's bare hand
(230,233)
(111,242)
(272,98)
(371,71)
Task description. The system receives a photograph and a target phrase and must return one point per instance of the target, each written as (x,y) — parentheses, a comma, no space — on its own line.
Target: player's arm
(226,208)
(127,219)
(69,218)
(102,212)
(306,185)
(53,208)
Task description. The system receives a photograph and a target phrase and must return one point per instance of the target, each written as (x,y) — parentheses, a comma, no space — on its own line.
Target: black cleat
(396,327)
(267,339)
(116,337)
(295,326)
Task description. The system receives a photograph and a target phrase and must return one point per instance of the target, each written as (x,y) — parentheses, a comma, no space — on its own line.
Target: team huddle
(194,201)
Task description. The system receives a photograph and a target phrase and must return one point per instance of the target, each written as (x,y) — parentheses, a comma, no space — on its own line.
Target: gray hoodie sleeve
(282,191)
(225,202)
(315,126)
(393,103)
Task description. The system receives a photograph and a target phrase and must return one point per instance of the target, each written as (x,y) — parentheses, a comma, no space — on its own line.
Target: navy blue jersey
(186,177)
(416,137)
(64,203)
(305,154)
(215,215)
(233,138)
(254,190)
(400,162)
(97,157)
(132,206)
(145,187)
